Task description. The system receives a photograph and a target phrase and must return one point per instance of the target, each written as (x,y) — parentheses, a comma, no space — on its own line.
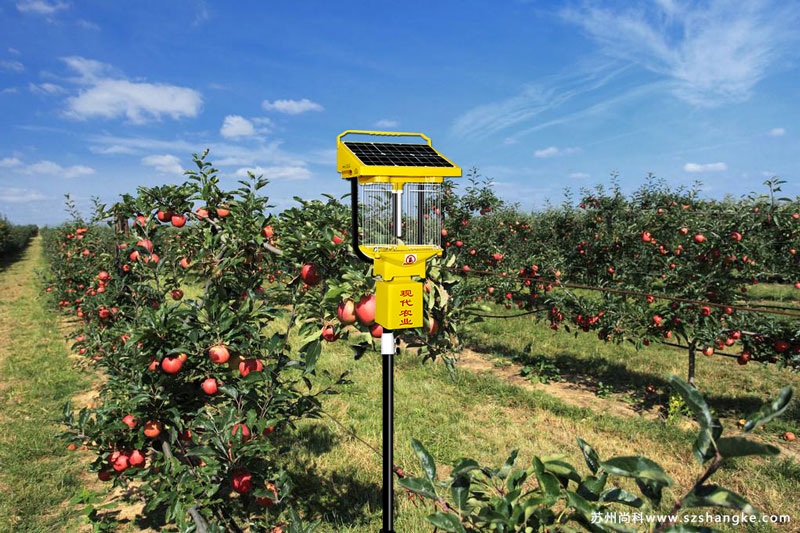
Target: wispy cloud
(713,52)
(20,196)
(50,168)
(11,65)
(88,25)
(41,7)
(387,123)
(536,99)
(46,88)
(554,151)
(705,167)
(579,176)
(777,132)
(10,162)
(110,97)
(291,107)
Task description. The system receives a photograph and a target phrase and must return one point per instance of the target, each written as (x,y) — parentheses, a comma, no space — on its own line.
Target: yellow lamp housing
(397,214)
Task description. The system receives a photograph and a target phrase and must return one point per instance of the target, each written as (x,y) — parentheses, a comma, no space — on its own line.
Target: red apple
(178,221)
(172,365)
(365,310)
(219,353)
(310,275)
(152,428)
(329,333)
(209,386)
(241,480)
(250,365)
(347,312)
(129,421)
(376,330)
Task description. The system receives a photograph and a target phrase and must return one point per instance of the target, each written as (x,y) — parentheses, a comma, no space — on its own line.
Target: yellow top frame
(352,167)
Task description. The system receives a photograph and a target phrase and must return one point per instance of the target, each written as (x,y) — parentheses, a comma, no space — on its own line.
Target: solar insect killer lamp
(396,197)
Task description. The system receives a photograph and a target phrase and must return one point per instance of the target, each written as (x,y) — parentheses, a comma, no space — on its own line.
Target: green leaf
(617,495)
(547,482)
(579,503)
(200,451)
(428,464)
(740,446)
(459,491)
(651,490)
(562,469)
(709,425)
(446,522)
(715,496)
(419,485)
(464,466)
(769,411)
(637,467)
(590,455)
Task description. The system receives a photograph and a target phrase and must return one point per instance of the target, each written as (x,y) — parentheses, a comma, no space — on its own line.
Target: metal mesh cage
(419,217)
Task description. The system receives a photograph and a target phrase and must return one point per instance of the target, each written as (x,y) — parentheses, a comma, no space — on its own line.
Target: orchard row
(14,238)
(645,253)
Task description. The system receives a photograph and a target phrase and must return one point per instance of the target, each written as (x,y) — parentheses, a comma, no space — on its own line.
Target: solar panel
(397,154)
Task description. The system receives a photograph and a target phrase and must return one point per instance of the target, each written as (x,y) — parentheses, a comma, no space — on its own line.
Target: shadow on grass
(6,260)
(589,373)
(336,497)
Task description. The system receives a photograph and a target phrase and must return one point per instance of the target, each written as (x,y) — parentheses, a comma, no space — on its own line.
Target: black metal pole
(387,353)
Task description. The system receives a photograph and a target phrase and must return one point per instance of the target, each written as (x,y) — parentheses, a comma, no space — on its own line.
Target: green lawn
(37,474)
(483,416)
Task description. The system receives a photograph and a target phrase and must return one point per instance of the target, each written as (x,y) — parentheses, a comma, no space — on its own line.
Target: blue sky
(98,97)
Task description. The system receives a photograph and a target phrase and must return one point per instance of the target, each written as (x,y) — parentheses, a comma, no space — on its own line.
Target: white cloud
(20,196)
(291,107)
(164,164)
(110,97)
(291,173)
(9,90)
(89,70)
(10,162)
(49,168)
(11,65)
(579,176)
(88,25)
(41,7)
(777,132)
(236,126)
(46,88)
(705,167)
(112,150)
(387,123)
(554,151)
(713,52)
(13,51)
(138,102)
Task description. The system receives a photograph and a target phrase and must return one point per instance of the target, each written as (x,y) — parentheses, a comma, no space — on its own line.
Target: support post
(387,354)
(692,358)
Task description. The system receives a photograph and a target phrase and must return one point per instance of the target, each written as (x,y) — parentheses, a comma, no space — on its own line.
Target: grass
(484,417)
(37,474)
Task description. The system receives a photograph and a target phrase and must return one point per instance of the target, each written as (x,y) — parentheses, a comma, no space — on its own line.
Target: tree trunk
(692,353)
